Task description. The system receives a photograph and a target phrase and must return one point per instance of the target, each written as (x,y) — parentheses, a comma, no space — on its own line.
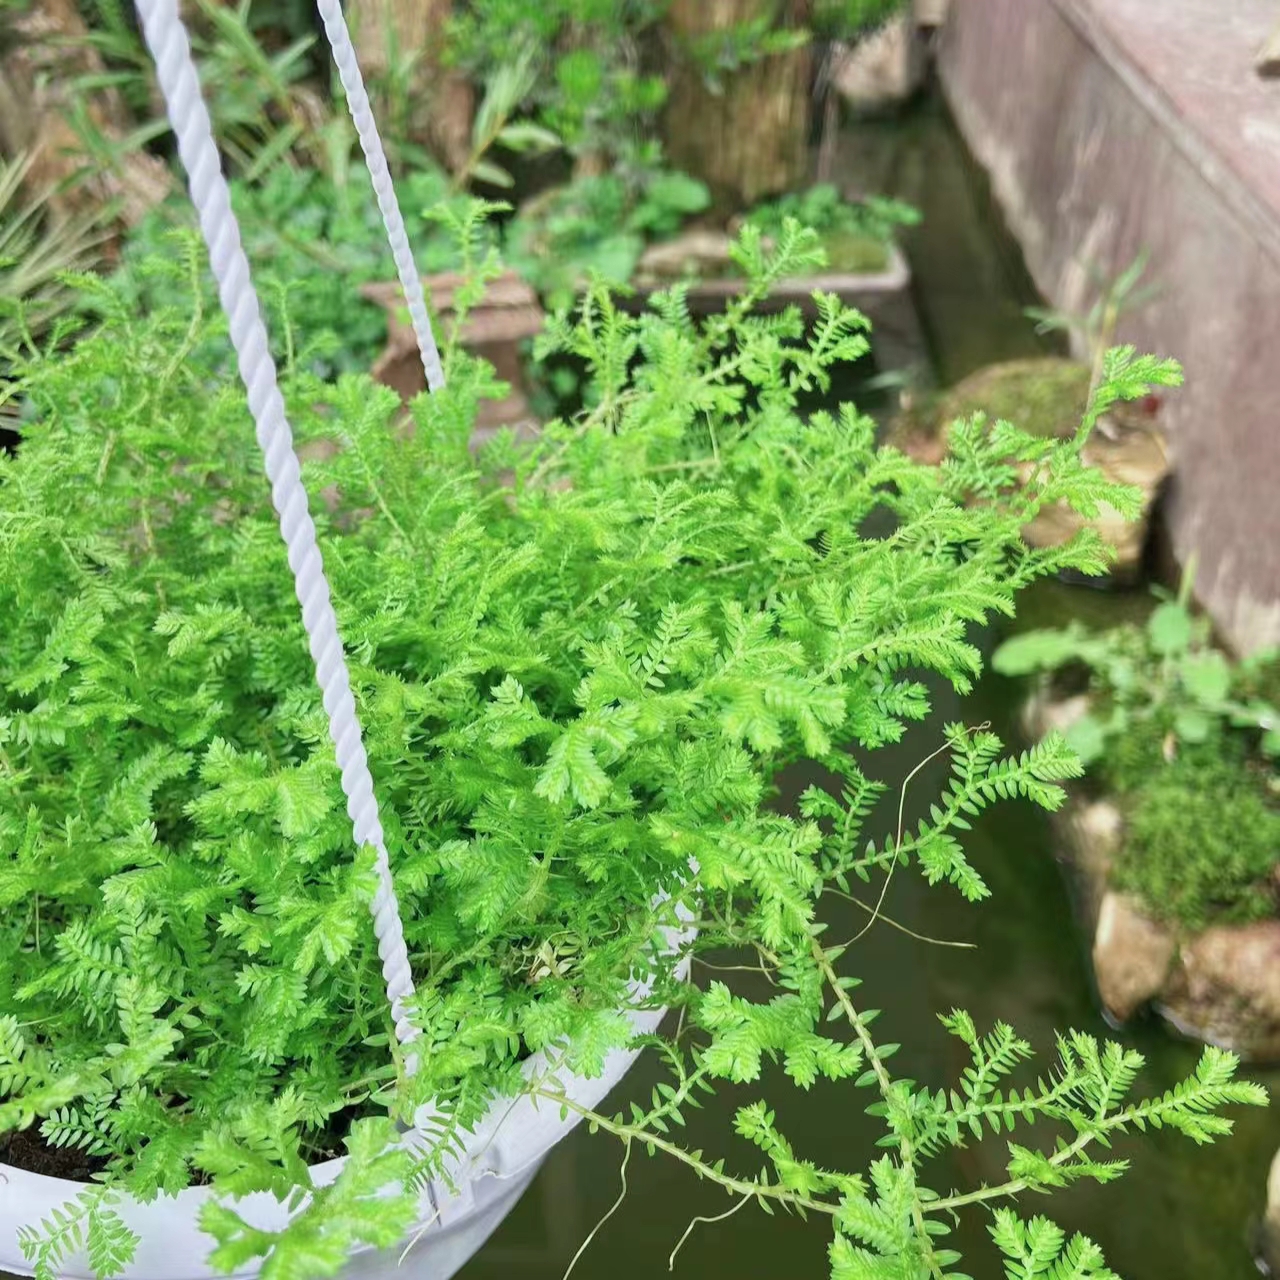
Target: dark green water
(1182,1211)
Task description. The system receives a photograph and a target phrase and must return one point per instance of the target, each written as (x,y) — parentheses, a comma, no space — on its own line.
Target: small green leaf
(493,174)
(1032,651)
(1206,677)
(1087,737)
(1192,725)
(528,138)
(1169,628)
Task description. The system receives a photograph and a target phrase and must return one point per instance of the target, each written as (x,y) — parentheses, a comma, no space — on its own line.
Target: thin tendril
(897,840)
(617,1204)
(895,924)
(719,1217)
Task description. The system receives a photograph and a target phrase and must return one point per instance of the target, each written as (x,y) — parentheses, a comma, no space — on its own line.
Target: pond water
(1182,1211)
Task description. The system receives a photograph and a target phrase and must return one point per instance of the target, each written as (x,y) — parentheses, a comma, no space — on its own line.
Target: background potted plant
(863,265)
(319,238)
(599,226)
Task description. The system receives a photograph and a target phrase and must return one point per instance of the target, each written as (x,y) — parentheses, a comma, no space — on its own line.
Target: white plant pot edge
(512,1140)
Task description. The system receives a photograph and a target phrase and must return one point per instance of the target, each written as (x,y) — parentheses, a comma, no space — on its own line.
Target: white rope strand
(344,57)
(167,38)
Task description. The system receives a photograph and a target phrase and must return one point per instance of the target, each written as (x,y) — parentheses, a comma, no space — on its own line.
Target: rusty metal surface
(1107,132)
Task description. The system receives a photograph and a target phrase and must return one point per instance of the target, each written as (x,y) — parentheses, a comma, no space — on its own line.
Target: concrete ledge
(1109,130)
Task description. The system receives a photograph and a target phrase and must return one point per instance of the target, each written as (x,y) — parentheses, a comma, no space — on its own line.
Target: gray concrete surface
(1114,127)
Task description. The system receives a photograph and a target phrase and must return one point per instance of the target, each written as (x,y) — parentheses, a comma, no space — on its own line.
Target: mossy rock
(1047,397)
(850,253)
(1217,981)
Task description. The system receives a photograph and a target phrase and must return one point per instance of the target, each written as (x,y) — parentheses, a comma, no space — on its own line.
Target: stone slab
(931,13)
(1111,129)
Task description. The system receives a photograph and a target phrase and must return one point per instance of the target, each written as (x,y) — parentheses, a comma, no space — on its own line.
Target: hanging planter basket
(501,1159)
(477,1188)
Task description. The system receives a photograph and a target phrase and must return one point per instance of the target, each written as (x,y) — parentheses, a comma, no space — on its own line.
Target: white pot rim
(512,1139)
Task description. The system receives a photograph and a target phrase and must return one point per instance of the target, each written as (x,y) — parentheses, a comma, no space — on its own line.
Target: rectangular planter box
(884,297)
(508,314)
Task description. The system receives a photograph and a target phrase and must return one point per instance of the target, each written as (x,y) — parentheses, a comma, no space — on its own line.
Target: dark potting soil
(28,1151)
(330,1142)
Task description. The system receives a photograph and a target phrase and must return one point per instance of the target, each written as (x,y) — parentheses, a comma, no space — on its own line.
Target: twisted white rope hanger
(344,56)
(166,37)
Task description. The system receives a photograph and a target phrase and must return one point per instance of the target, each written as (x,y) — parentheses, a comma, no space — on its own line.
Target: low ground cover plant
(598,226)
(318,239)
(580,665)
(1181,734)
(856,235)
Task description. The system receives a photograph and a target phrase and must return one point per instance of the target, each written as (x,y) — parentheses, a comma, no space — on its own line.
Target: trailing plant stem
(629,1133)
(1014,1187)
(905,1148)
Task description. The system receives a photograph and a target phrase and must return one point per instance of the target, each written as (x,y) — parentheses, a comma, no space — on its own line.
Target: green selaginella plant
(580,665)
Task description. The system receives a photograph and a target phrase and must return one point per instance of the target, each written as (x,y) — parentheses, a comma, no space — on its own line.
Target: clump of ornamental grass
(580,665)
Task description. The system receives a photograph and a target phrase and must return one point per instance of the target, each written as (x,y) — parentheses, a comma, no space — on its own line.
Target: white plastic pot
(501,1160)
